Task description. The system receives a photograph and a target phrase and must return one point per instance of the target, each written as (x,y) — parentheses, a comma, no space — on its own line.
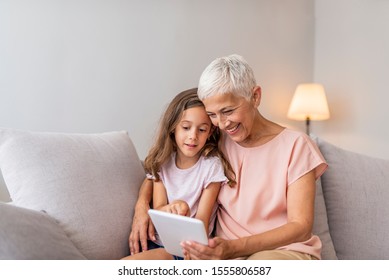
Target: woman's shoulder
(300,141)
(295,135)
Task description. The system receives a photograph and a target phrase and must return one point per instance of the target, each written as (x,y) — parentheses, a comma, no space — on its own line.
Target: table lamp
(309,103)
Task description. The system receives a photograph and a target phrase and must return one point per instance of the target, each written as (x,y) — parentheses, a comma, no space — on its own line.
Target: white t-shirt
(188,184)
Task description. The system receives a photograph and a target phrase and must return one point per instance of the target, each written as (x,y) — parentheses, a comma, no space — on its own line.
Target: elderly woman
(269,213)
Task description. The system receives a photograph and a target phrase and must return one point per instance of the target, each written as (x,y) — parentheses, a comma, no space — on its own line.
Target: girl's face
(233,114)
(191,134)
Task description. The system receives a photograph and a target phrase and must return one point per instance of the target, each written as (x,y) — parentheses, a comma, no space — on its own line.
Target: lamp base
(307,123)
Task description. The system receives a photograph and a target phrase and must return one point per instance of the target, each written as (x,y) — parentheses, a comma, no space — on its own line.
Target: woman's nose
(222,122)
(218,121)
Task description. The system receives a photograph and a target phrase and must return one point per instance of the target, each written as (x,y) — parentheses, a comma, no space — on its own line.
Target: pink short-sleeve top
(257,203)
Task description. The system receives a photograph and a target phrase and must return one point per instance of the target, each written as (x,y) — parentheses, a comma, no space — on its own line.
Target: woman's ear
(256,97)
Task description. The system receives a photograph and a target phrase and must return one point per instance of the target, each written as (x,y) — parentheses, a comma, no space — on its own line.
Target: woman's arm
(141,223)
(300,213)
(300,208)
(207,202)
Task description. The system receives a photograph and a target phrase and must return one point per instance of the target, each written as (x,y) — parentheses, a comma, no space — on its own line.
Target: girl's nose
(193,135)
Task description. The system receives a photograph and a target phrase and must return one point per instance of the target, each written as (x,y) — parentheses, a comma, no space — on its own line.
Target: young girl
(186,167)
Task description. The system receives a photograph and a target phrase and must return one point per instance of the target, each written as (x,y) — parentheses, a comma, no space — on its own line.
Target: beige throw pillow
(87,182)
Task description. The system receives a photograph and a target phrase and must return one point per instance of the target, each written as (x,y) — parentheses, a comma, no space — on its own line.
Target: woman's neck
(262,132)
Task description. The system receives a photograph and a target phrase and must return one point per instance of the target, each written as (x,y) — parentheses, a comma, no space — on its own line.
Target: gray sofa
(73,197)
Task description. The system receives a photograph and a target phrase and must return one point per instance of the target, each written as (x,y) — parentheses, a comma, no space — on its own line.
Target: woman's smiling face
(233,114)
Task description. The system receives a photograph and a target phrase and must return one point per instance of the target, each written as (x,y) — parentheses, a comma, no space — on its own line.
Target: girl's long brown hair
(164,144)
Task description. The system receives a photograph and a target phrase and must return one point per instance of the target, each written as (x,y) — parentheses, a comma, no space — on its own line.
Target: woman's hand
(179,207)
(142,229)
(217,249)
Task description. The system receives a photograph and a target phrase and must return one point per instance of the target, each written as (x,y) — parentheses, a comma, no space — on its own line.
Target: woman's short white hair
(228,74)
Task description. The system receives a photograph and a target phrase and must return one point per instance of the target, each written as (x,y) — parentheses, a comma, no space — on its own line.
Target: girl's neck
(183,162)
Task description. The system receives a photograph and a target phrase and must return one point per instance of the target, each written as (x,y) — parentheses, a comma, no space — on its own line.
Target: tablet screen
(173,229)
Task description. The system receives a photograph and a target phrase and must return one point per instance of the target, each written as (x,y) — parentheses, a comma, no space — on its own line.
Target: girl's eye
(203,130)
(185,127)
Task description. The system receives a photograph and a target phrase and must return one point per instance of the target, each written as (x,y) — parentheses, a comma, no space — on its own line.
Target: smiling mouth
(233,130)
(191,145)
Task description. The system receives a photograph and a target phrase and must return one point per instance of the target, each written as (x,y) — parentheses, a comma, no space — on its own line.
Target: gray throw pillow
(87,182)
(31,235)
(356,192)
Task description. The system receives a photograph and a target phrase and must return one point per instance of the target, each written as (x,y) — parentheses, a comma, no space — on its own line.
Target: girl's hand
(178,207)
(217,249)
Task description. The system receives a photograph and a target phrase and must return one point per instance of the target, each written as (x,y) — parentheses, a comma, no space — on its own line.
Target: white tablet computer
(173,229)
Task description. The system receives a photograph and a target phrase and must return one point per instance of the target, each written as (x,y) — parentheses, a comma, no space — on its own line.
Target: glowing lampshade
(309,102)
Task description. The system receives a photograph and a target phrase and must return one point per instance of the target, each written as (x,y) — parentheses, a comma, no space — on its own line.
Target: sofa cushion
(30,235)
(356,191)
(320,225)
(87,182)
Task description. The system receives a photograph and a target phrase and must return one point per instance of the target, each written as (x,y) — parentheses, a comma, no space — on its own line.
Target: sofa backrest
(356,191)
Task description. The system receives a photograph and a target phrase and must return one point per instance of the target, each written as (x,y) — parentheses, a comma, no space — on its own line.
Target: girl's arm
(159,195)
(160,201)
(207,202)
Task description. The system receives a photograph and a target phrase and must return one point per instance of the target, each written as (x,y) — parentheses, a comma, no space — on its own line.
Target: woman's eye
(228,112)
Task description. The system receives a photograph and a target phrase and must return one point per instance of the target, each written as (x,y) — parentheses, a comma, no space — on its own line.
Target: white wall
(352,61)
(94,65)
